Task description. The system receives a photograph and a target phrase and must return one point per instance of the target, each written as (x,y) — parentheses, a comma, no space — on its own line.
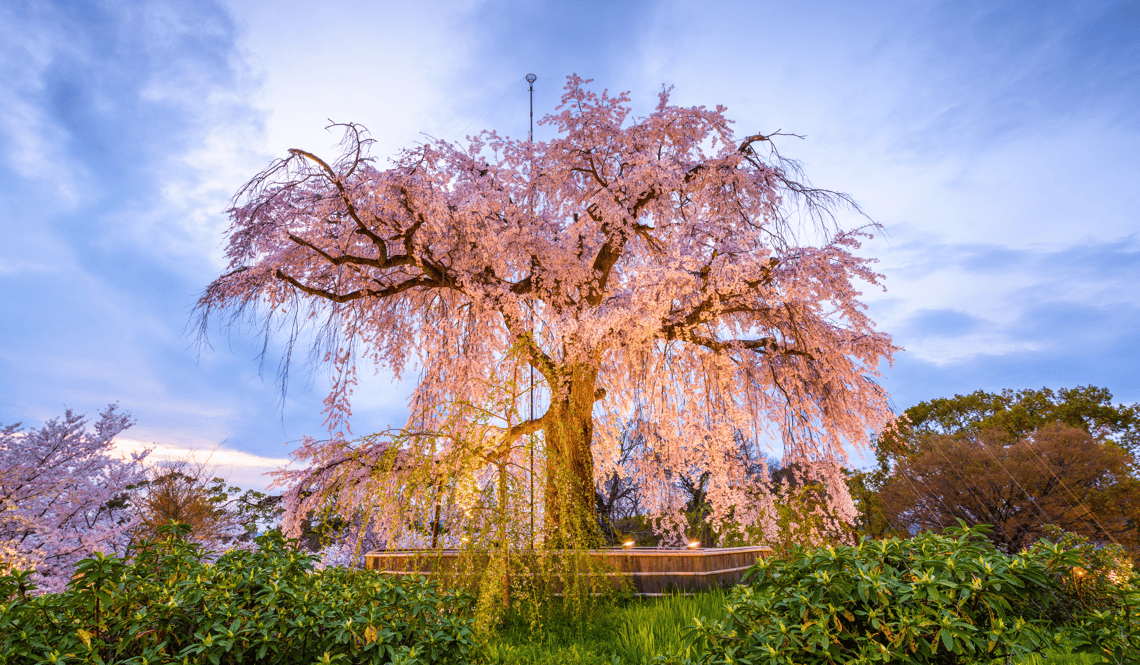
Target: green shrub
(169,605)
(1097,597)
(928,599)
(1113,632)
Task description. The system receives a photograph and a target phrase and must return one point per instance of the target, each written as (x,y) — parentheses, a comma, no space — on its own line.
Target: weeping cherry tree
(657,270)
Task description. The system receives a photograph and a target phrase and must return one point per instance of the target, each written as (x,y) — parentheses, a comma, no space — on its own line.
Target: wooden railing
(650,571)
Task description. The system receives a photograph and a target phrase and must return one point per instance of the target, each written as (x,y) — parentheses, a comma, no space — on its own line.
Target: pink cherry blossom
(659,271)
(63,494)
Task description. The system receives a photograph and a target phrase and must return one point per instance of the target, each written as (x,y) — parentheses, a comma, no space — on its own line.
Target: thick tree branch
(518,431)
(537,357)
(767,345)
(360,293)
(617,236)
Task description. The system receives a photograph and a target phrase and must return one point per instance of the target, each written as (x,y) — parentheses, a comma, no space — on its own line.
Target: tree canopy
(658,271)
(1055,475)
(1015,414)
(1014,459)
(1019,412)
(63,494)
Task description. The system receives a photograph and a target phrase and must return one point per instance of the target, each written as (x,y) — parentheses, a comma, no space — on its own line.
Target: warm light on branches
(657,271)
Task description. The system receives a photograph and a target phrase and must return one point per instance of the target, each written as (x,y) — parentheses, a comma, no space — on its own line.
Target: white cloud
(942,352)
(236,467)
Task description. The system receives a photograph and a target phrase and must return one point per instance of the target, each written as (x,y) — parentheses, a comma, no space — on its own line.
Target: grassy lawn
(631,632)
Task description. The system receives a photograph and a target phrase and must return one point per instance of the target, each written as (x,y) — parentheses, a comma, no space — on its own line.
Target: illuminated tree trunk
(569,495)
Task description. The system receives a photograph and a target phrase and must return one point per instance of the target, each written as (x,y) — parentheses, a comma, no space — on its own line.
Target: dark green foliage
(1114,631)
(929,599)
(168,605)
(1094,580)
(1018,413)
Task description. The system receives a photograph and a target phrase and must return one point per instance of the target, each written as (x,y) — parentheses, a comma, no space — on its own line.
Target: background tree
(658,270)
(1057,474)
(1012,415)
(1016,413)
(63,493)
(219,514)
(620,515)
(866,488)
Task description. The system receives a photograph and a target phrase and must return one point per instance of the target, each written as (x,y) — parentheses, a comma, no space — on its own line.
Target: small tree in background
(174,495)
(63,494)
(219,514)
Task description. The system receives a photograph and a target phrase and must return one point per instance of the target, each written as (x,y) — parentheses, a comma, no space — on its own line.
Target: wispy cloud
(1057,316)
(125,129)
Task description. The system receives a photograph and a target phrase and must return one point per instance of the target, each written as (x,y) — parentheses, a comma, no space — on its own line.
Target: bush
(1113,631)
(929,599)
(168,605)
(1097,597)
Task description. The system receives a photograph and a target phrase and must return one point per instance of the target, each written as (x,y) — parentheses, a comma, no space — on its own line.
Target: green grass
(628,632)
(557,640)
(632,632)
(1076,659)
(656,626)
(1064,659)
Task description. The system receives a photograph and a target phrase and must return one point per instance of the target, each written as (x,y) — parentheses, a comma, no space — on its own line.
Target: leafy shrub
(1097,597)
(168,605)
(1113,630)
(929,599)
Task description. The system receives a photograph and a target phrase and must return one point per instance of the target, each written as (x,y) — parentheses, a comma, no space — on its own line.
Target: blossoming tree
(62,494)
(653,270)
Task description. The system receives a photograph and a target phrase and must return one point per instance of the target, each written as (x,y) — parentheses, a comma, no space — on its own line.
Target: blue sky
(998,143)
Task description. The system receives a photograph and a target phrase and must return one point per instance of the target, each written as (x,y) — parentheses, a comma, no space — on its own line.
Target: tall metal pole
(530,79)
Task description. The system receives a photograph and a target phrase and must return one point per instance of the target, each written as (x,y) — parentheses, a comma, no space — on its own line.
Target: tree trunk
(569,497)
